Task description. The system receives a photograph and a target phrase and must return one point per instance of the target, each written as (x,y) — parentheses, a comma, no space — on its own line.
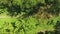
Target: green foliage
(28,25)
(14,7)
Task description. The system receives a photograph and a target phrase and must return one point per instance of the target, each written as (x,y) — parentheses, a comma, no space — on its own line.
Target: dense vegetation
(29,16)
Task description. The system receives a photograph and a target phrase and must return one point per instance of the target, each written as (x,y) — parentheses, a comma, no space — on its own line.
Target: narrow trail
(5,17)
(8,16)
